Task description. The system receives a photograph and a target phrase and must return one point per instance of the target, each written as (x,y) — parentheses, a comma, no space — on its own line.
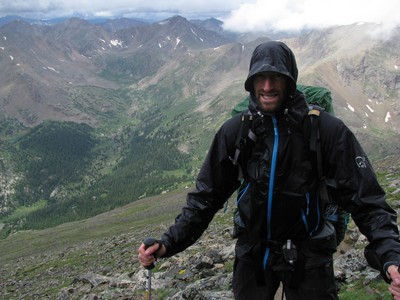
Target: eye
(276,76)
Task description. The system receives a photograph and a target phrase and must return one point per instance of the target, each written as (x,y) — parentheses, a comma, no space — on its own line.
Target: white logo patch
(361,162)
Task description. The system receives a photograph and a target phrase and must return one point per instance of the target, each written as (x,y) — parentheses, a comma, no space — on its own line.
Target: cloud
(116,8)
(237,15)
(262,15)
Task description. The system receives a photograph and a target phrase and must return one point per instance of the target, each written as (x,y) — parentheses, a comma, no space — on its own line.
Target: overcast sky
(237,15)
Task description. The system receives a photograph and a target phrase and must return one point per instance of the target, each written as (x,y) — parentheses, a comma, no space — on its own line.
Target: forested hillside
(92,119)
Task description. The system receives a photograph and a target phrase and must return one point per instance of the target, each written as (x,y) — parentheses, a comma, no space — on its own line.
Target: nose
(266,82)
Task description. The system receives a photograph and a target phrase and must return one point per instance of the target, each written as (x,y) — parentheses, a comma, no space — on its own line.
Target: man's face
(270,90)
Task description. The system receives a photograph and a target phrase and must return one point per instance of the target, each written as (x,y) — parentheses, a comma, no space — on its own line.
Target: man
(283,237)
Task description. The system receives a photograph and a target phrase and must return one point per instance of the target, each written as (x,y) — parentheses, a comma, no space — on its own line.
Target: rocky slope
(112,271)
(102,263)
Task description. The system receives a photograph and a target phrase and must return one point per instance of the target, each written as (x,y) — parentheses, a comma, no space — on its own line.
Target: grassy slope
(130,218)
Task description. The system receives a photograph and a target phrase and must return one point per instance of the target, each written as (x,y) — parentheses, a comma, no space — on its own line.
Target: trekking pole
(147,243)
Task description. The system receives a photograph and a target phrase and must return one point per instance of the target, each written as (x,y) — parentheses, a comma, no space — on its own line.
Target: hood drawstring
(288,115)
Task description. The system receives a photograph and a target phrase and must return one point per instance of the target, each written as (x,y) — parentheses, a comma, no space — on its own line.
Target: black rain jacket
(281,201)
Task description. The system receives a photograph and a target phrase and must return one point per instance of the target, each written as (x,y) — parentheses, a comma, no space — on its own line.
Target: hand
(394,287)
(149,256)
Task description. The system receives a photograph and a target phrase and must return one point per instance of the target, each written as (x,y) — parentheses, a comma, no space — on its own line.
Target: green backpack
(318,98)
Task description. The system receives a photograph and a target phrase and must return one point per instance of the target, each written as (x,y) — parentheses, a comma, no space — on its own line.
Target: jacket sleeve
(358,191)
(216,182)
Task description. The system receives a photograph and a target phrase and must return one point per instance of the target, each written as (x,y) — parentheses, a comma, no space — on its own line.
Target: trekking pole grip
(147,243)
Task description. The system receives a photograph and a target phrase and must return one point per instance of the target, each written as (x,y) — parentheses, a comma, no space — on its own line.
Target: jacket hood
(272,56)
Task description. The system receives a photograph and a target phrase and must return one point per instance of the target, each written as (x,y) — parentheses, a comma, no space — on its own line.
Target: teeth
(268,96)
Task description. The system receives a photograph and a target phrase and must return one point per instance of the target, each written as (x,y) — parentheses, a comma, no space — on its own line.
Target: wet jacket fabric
(281,201)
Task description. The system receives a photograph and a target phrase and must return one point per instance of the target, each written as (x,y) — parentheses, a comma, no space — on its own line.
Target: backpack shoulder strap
(243,138)
(315,147)
(335,214)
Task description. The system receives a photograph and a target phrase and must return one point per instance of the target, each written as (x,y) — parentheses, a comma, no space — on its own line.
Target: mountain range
(95,115)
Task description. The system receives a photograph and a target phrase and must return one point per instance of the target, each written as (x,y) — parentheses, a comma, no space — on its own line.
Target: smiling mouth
(269,96)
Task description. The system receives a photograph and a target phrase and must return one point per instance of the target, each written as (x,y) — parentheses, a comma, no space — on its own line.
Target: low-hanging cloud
(262,15)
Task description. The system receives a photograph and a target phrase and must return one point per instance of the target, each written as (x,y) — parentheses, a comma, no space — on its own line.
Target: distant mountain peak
(74,21)
(173,21)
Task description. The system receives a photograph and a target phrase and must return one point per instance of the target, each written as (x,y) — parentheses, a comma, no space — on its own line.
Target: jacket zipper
(305,214)
(318,219)
(271,186)
(242,193)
